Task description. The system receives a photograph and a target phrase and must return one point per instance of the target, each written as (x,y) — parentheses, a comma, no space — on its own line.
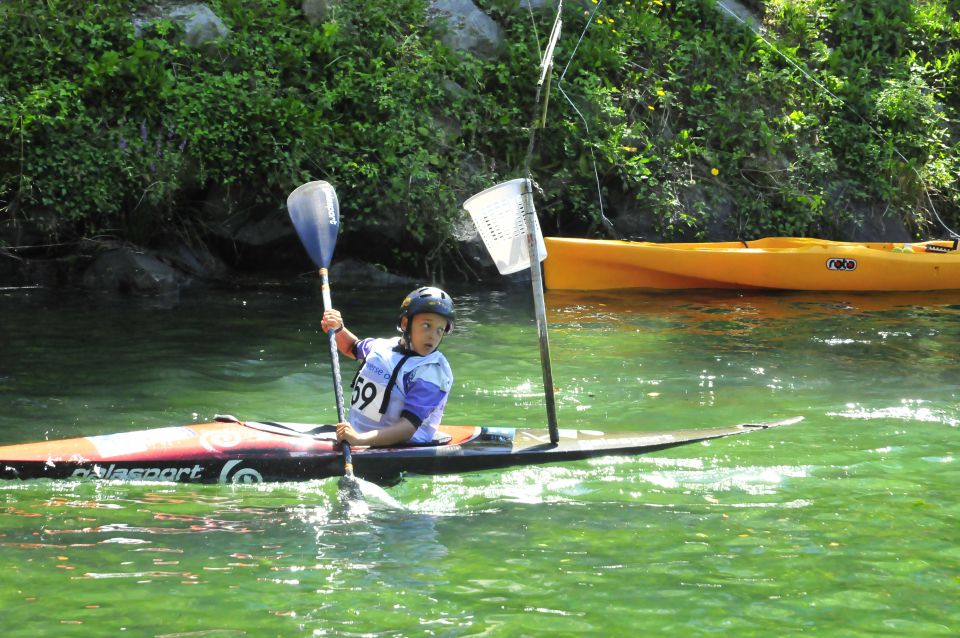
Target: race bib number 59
(366,398)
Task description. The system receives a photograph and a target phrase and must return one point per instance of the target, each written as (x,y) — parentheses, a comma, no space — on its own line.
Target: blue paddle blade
(315,213)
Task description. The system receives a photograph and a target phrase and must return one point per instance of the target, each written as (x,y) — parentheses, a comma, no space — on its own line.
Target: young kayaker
(401,389)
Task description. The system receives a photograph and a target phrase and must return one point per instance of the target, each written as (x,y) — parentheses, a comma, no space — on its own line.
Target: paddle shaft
(335,368)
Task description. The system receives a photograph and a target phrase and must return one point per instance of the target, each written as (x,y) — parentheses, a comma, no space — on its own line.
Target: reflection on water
(703,304)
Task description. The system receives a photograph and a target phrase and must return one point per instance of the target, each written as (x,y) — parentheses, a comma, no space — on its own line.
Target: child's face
(426,332)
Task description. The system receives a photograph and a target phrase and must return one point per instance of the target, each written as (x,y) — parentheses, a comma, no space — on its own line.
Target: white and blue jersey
(395,383)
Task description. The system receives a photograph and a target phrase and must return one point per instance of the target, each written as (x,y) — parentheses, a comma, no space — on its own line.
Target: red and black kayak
(231,451)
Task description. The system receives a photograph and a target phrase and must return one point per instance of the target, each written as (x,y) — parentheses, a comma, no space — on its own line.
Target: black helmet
(428,299)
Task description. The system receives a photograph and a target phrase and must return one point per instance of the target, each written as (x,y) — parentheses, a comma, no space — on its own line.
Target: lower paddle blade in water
(350,488)
(353,489)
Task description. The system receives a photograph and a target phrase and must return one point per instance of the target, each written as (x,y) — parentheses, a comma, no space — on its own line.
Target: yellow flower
(661,92)
(714,171)
(650,106)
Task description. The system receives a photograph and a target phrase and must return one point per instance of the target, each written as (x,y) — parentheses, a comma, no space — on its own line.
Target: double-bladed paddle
(315,213)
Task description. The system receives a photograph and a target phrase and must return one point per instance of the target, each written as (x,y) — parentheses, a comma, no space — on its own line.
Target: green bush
(109,131)
(696,125)
(714,133)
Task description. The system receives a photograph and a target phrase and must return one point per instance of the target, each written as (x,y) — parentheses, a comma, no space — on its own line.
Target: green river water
(845,525)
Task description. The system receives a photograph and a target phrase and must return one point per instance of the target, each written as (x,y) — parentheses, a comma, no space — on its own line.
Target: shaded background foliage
(699,129)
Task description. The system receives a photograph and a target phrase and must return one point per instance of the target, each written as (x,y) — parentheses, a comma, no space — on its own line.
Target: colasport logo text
(140,473)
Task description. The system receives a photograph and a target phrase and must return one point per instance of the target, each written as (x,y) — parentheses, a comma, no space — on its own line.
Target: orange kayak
(774,263)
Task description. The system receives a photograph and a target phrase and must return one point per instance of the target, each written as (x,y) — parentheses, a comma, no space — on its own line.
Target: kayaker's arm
(345,342)
(345,338)
(399,432)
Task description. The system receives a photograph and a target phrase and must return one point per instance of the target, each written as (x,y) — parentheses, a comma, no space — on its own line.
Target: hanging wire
(593,160)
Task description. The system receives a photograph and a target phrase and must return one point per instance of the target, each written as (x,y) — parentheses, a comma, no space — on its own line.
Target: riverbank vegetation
(846,115)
